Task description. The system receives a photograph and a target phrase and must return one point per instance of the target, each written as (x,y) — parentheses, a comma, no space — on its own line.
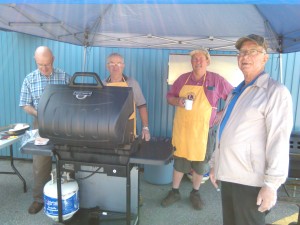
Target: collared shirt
(138,96)
(215,87)
(35,83)
(236,94)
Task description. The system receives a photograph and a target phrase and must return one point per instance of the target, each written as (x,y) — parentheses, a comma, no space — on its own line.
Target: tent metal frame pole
(84,59)
(280,67)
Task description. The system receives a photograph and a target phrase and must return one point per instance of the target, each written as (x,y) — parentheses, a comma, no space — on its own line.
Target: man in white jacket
(252,151)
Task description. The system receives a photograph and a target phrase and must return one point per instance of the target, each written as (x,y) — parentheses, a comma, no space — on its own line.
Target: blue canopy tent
(159,24)
(176,25)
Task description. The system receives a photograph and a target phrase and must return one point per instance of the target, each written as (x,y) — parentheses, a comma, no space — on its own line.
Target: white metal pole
(280,67)
(84,59)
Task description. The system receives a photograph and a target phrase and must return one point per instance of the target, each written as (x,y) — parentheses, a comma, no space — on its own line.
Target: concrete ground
(14,203)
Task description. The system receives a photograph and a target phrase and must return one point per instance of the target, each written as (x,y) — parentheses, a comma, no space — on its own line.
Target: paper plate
(16,129)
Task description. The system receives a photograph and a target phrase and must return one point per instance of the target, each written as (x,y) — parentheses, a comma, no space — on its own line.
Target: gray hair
(115,54)
(202,51)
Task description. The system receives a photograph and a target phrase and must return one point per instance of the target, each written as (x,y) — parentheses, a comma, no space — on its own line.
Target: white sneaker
(205,178)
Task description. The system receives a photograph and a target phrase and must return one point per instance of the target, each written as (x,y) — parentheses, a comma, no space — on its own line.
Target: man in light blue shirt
(31,91)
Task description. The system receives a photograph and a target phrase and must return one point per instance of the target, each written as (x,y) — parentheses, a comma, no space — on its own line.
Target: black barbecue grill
(85,115)
(83,120)
(89,124)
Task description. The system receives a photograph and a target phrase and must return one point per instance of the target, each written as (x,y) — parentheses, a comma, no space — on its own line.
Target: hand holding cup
(188,104)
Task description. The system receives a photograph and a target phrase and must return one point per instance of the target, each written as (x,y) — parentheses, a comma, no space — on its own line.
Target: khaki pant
(42,166)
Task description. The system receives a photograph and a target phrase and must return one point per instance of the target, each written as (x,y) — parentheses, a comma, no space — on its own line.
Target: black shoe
(196,200)
(171,198)
(35,207)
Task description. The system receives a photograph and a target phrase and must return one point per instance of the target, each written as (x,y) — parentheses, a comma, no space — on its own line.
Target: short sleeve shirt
(215,87)
(35,83)
(138,96)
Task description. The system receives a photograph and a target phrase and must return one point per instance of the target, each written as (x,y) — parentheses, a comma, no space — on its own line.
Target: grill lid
(86,114)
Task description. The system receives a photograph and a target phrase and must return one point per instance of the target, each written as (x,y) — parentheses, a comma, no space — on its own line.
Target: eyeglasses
(115,64)
(44,65)
(251,52)
(198,60)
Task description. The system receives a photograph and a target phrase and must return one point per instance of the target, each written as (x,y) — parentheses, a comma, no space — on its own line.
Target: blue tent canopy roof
(157,25)
(153,1)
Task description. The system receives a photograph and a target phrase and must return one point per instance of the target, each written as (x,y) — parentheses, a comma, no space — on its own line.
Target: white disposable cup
(188,104)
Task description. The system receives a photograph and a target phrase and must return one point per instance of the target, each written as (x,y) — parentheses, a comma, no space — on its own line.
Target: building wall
(148,66)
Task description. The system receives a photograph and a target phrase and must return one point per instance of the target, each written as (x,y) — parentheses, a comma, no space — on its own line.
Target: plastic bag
(29,136)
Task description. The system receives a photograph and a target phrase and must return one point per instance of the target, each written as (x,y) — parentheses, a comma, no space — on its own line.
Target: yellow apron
(190,129)
(133,115)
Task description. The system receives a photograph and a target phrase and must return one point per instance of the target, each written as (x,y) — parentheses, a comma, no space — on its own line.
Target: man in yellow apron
(115,66)
(193,129)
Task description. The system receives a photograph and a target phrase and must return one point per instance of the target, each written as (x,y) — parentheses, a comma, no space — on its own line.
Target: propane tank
(69,195)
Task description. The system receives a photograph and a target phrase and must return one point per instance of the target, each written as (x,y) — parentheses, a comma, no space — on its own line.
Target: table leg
(139,198)
(16,172)
(15,169)
(128,195)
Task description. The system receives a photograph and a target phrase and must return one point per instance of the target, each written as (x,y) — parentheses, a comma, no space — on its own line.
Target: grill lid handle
(86,80)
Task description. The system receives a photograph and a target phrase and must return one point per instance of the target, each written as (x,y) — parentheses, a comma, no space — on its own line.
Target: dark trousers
(239,205)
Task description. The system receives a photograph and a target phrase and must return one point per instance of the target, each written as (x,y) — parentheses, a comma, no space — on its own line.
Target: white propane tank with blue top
(69,194)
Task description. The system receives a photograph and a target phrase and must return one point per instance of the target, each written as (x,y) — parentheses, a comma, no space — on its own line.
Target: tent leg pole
(84,59)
